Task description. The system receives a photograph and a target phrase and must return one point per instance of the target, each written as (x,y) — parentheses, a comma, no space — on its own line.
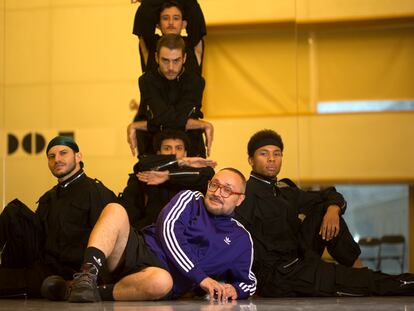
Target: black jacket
(271,213)
(67,214)
(143,203)
(168,104)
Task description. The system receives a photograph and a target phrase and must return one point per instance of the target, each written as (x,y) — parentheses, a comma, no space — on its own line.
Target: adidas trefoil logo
(98,261)
(227,240)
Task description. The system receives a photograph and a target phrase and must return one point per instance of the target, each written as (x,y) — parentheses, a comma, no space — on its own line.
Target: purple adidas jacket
(193,244)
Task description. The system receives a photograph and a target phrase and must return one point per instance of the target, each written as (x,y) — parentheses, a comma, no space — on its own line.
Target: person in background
(285,263)
(170,99)
(170,17)
(52,240)
(158,178)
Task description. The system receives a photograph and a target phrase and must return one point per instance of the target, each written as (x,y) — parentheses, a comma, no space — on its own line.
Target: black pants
(19,240)
(19,235)
(137,256)
(312,276)
(24,282)
(343,248)
(132,199)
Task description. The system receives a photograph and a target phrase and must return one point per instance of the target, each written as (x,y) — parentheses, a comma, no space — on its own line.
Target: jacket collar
(269,183)
(71,180)
(263,179)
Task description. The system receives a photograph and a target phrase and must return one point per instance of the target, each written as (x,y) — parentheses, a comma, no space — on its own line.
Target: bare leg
(149,284)
(110,234)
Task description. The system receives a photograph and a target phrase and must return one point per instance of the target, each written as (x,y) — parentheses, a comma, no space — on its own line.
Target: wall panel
(251,72)
(93,44)
(27,46)
(27,106)
(92,105)
(371,63)
(331,10)
(239,12)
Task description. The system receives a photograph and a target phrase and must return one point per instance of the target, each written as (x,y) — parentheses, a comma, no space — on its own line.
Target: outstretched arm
(207,127)
(192,173)
(153,177)
(196,162)
(143,51)
(199,52)
(132,134)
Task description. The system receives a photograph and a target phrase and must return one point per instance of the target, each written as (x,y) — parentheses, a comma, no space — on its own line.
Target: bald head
(225,192)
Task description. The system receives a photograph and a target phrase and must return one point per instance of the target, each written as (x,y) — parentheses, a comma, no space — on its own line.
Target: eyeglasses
(225,191)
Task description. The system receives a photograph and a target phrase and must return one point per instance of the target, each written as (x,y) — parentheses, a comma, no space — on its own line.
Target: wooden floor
(283,304)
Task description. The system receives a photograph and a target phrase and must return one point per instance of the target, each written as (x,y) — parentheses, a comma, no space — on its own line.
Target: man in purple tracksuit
(195,243)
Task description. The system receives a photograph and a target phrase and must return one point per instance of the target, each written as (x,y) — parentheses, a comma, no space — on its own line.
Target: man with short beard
(170,17)
(195,243)
(171,98)
(56,235)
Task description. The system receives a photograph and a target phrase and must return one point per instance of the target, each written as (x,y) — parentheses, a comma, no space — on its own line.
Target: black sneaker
(84,286)
(55,288)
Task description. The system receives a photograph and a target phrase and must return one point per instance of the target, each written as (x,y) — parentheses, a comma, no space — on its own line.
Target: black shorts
(137,256)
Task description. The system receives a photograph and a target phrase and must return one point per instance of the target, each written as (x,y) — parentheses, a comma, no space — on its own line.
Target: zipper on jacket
(403,283)
(191,112)
(150,115)
(291,263)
